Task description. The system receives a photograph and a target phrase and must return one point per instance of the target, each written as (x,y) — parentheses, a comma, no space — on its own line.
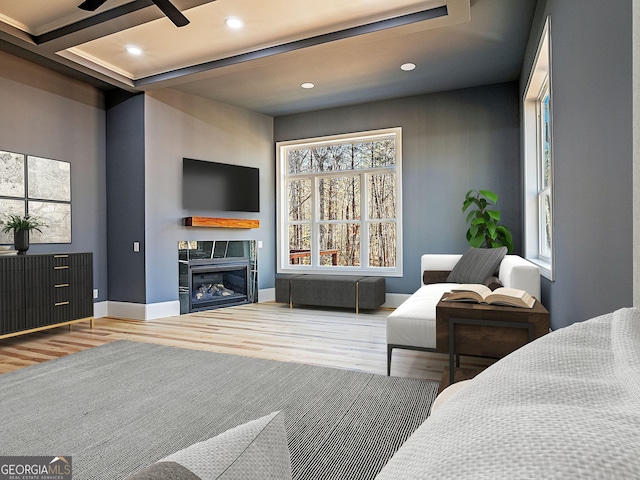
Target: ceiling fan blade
(91,5)
(170,10)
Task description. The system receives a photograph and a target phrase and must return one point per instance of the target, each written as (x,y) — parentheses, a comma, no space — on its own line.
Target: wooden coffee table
(480,330)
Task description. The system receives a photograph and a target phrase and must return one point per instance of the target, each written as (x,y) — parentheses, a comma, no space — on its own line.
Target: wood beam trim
(216,222)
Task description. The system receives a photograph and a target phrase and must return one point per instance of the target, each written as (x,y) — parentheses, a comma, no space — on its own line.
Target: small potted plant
(484,230)
(21,226)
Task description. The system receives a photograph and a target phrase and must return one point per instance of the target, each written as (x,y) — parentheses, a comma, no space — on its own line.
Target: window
(544,174)
(339,204)
(538,157)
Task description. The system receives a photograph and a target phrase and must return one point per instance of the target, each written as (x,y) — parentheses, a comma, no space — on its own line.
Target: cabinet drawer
(71,309)
(61,274)
(61,311)
(61,260)
(61,292)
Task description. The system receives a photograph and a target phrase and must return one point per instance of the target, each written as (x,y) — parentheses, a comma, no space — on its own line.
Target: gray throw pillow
(492,283)
(476,265)
(254,451)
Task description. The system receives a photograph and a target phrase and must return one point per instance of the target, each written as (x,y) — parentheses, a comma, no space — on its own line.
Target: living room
(126,155)
(439,169)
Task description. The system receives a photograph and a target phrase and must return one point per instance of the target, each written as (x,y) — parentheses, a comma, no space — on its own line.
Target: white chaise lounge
(412,325)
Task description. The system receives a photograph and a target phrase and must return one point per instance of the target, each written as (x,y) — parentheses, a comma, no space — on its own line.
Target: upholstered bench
(341,291)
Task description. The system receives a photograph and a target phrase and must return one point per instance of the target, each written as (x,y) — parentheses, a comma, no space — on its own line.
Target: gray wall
(592,140)
(50,115)
(125,196)
(148,135)
(452,142)
(180,125)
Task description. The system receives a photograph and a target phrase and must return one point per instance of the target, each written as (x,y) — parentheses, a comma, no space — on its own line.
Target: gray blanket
(566,406)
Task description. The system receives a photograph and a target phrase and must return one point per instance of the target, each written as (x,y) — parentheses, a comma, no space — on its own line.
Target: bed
(565,406)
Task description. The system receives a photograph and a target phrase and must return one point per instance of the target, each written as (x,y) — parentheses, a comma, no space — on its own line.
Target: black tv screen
(220,186)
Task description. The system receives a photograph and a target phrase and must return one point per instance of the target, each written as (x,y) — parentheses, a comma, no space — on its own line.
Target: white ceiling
(351,51)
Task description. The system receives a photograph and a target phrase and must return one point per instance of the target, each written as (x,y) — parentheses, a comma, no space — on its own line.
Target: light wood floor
(333,338)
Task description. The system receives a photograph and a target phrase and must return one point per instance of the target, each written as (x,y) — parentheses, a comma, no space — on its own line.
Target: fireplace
(218,283)
(214,274)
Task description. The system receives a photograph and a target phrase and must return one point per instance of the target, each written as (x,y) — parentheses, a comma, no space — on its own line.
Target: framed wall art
(48,179)
(11,174)
(57,217)
(40,187)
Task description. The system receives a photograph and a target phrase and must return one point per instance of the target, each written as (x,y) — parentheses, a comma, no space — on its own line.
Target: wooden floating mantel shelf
(213,222)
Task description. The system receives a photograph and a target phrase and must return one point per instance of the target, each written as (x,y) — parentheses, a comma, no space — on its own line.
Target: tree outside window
(544,166)
(339,203)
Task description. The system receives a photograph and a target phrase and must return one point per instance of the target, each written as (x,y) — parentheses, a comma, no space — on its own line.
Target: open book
(482,294)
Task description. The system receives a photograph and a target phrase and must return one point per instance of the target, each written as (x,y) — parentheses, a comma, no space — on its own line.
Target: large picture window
(339,203)
(538,157)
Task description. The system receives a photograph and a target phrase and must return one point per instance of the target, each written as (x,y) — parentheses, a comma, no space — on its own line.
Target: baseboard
(394,300)
(100,309)
(266,295)
(141,311)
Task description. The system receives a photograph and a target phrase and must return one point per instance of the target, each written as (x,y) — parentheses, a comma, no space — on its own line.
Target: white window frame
(282,220)
(540,82)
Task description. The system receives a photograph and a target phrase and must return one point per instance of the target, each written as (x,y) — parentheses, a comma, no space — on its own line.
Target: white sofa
(413,324)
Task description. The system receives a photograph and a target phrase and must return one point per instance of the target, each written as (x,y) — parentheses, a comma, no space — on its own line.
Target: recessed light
(307,85)
(133,50)
(234,22)
(407,67)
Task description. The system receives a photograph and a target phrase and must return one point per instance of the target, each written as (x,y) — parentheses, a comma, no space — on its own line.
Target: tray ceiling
(351,51)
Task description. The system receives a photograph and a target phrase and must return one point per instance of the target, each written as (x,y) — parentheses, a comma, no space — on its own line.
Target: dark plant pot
(21,241)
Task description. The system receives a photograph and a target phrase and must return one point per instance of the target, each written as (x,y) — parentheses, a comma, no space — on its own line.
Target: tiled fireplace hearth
(216,273)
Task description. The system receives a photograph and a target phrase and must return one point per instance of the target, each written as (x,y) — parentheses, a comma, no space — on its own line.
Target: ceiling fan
(168,8)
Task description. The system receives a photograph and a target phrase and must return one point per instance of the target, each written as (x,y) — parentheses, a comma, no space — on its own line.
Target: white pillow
(256,450)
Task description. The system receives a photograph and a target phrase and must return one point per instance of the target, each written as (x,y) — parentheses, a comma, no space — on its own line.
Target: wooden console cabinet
(44,291)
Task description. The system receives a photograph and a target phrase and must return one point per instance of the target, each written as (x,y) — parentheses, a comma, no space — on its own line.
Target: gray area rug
(119,407)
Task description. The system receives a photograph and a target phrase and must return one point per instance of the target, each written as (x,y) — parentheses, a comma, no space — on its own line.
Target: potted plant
(21,226)
(484,230)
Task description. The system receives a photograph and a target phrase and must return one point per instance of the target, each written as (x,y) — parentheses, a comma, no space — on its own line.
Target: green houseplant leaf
(476,241)
(495,214)
(493,197)
(15,223)
(483,219)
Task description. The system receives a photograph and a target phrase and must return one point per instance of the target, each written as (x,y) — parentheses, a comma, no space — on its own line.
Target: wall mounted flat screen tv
(219,186)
